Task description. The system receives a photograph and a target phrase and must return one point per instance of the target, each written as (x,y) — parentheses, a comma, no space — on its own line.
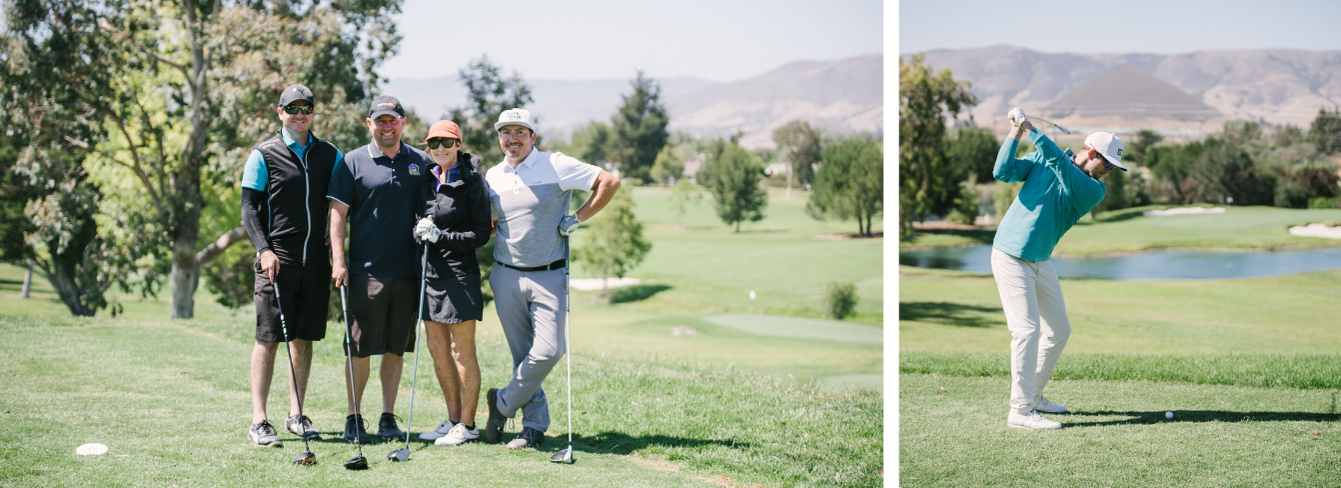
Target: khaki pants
(1036,317)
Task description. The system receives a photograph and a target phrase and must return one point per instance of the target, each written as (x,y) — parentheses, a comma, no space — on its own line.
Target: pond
(1158,265)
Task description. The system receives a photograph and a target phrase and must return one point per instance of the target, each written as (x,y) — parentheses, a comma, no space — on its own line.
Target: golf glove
(569,224)
(1016,116)
(425,231)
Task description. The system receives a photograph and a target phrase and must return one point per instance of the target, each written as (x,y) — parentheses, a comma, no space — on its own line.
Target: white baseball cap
(516,116)
(1109,146)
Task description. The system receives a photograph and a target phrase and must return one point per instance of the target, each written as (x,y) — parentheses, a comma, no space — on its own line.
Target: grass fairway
(719,407)
(1250,367)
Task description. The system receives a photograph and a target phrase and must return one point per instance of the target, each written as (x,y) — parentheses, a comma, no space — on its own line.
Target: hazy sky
(1153,26)
(718,40)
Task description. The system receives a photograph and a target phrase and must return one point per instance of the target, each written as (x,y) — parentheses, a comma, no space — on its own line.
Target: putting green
(800,328)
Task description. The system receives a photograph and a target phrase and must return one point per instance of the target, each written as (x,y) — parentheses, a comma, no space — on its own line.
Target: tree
(489,93)
(850,183)
(731,175)
(613,242)
(974,151)
(639,129)
(589,143)
(927,182)
(682,194)
(799,146)
(668,166)
(1326,131)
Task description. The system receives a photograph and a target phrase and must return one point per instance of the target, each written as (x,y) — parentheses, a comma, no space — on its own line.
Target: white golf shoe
(459,435)
(1031,420)
(438,433)
(1045,406)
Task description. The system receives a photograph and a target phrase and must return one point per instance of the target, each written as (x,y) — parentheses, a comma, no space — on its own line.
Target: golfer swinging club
(529,194)
(1059,188)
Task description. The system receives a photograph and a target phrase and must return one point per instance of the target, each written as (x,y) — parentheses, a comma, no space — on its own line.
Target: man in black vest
(284,210)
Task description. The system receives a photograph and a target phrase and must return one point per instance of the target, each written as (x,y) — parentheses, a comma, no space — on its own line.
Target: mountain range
(1274,86)
(839,96)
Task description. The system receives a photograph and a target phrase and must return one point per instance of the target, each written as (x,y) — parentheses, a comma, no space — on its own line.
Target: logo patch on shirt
(414,169)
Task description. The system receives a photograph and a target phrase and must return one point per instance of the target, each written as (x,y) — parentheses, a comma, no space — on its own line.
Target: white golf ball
(1168,415)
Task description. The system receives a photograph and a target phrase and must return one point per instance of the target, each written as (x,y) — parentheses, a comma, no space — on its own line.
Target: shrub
(840,300)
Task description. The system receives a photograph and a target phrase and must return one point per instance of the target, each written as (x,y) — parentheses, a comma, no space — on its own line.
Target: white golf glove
(1016,116)
(569,224)
(426,231)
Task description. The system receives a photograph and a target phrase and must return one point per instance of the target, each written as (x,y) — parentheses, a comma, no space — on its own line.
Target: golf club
(403,454)
(566,456)
(359,462)
(307,457)
(1063,129)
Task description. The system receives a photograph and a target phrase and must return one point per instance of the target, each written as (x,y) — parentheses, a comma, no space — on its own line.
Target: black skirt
(455,297)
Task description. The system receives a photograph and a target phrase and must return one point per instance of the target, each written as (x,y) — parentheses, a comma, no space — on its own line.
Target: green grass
(1250,367)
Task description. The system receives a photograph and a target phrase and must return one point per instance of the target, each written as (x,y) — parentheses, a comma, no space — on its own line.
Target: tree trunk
(62,278)
(183,281)
(27,280)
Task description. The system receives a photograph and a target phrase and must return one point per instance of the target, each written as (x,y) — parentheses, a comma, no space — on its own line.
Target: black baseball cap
(294,93)
(386,105)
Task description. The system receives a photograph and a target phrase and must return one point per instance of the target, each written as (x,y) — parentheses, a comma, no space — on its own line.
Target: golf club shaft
(423,285)
(293,377)
(1063,129)
(349,359)
(567,334)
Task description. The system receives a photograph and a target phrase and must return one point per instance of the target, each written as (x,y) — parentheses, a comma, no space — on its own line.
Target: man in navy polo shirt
(375,191)
(284,210)
(529,195)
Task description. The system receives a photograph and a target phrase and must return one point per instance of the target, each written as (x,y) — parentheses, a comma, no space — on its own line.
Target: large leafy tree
(850,183)
(731,174)
(489,93)
(928,182)
(639,129)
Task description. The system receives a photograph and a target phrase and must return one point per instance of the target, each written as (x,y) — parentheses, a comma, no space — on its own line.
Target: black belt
(551,266)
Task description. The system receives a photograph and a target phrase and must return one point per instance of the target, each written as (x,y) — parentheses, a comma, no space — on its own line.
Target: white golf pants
(1036,317)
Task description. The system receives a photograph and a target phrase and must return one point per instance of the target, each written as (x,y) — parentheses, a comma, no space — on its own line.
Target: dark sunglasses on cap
(441,141)
(293,109)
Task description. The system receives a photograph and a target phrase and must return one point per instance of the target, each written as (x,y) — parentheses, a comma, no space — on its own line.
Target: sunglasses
(435,143)
(293,109)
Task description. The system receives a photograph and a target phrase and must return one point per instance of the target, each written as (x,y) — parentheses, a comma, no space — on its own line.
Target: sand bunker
(1183,210)
(1316,230)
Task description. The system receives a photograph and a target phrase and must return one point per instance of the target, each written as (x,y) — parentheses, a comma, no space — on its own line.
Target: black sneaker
(263,435)
(356,430)
(493,428)
(301,426)
(387,428)
(527,438)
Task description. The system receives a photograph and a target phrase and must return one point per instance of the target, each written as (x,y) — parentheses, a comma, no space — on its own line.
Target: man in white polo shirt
(530,196)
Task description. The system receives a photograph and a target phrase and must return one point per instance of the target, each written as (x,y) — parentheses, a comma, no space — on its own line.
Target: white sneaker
(459,435)
(1046,406)
(1031,420)
(438,433)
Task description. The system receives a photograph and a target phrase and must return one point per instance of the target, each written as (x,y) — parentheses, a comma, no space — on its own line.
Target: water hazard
(1159,265)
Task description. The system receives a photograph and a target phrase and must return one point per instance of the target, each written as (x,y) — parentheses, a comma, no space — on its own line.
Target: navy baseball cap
(386,105)
(294,93)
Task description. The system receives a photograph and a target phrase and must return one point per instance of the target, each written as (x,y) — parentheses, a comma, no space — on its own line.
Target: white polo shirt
(529,201)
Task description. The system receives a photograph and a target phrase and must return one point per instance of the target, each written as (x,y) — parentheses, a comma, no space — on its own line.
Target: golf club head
(357,464)
(306,459)
(565,457)
(399,455)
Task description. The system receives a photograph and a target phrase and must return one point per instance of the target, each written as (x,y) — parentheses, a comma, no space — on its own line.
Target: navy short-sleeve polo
(382,195)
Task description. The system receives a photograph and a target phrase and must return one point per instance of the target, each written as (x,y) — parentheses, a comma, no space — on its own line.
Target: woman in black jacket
(455,221)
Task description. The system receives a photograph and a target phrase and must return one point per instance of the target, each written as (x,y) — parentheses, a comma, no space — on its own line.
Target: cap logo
(1119,152)
(392,105)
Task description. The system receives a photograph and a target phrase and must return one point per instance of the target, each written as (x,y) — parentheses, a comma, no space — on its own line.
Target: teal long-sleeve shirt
(1055,195)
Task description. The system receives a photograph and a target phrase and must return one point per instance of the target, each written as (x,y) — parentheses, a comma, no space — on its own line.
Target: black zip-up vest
(296,210)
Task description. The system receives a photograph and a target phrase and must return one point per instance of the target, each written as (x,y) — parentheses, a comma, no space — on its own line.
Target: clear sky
(717,40)
(1152,26)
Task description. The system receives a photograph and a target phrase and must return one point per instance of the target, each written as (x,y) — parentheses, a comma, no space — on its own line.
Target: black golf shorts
(306,296)
(383,313)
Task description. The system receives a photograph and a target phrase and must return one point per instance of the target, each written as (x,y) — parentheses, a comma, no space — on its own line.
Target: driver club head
(308,458)
(399,455)
(358,463)
(565,457)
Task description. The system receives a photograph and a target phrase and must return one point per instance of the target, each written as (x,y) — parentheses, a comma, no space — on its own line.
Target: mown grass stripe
(1304,371)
